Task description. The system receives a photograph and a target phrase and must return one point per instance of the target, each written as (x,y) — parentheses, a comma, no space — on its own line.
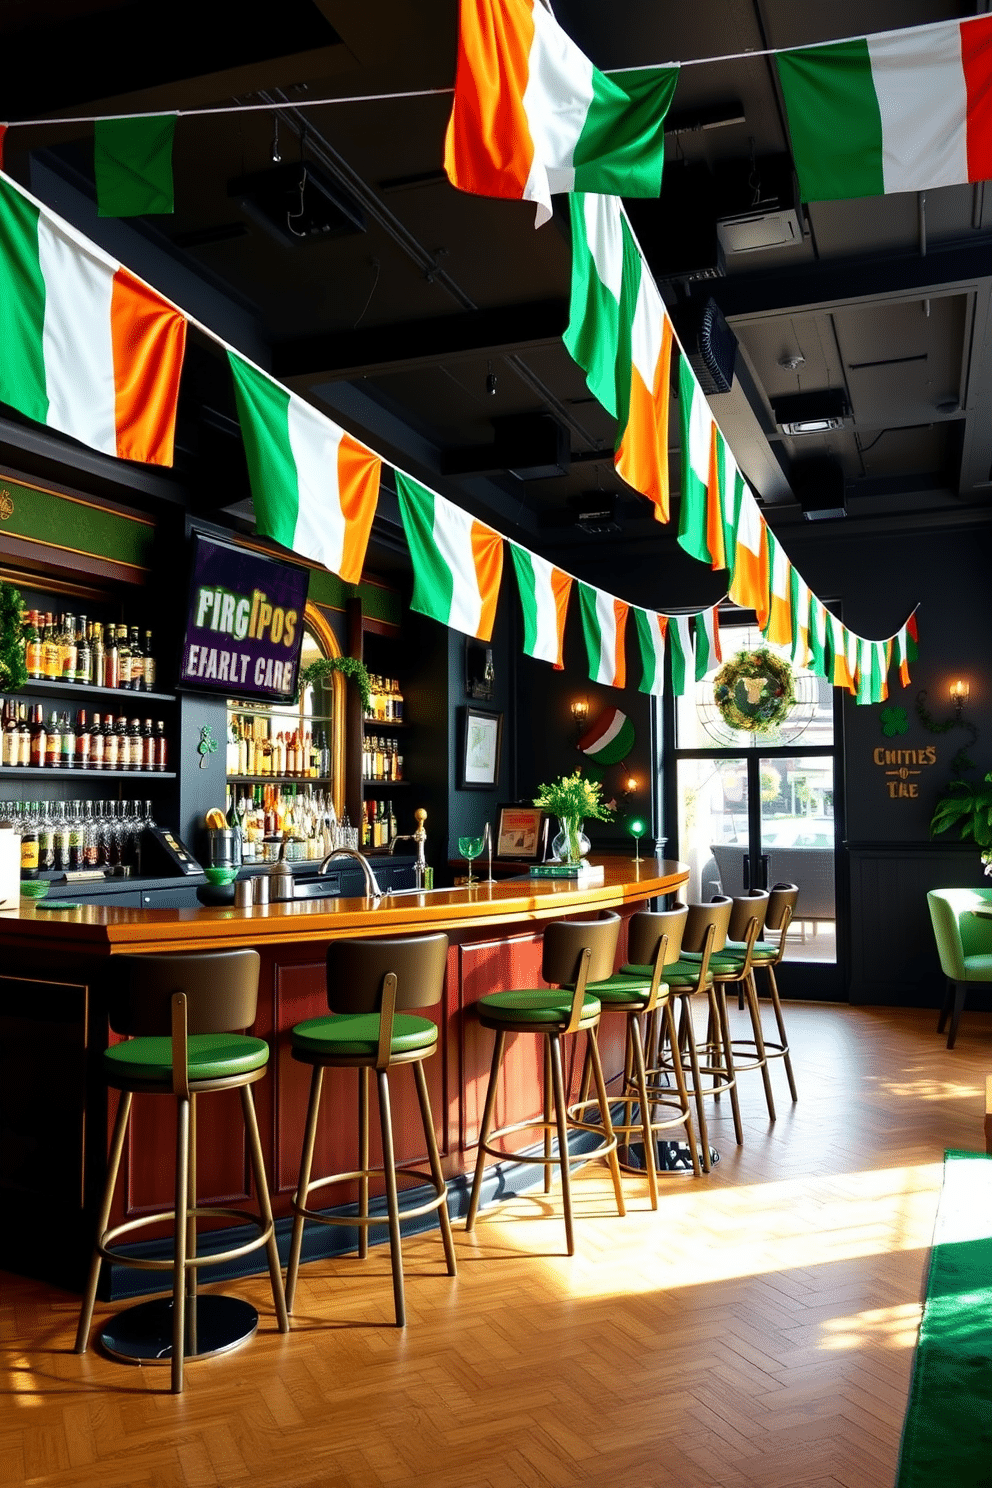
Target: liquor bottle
(33,648)
(83,740)
(53,742)
(98,658)
(111,744)
(151,671)
(398,704)
(130,749)
(29,844)
(24,736)
(75,835)
(67,648)
(84,654)
(67,753)
(46,839)
(148,746)
(390,822)
(50,650)
(111,660)
(161,746)
(91,845)
(97,742)
(137,662)
(11,735)
(123,658)
(60,839)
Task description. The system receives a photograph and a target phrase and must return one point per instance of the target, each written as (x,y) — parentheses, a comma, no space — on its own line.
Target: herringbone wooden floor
(757,1332)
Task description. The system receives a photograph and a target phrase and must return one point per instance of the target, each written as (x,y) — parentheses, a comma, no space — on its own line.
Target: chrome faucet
(372,888)
(419,837)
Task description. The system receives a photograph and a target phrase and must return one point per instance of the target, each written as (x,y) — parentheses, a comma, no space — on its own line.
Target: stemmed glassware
(469,848)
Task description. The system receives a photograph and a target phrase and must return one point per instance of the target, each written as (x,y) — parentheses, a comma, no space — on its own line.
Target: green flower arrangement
(574,795)
(754,691)
(349,666)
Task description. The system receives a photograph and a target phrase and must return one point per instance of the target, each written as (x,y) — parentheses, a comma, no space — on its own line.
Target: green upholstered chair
(180,1014)
(964,945)
(574,953)
(655,939)
(374,988)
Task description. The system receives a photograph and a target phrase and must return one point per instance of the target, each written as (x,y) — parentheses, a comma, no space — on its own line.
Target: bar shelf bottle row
(72,836)
(88,653)
(88,742)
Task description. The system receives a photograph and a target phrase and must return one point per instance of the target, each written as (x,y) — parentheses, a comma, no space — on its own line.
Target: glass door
(756,808)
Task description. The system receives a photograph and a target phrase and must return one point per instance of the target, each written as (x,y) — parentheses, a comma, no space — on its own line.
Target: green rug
(947,1436)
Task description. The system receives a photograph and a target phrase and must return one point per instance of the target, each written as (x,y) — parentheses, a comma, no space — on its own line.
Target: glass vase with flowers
(572,799)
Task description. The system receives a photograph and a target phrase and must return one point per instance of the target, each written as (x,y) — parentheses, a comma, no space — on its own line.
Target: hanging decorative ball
(754,691)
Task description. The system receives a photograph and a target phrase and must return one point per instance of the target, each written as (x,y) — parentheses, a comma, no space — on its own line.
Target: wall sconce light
(960,693)
(580,716)
(629,786)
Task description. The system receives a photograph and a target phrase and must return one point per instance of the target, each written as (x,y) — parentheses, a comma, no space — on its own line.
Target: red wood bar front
(53,1017)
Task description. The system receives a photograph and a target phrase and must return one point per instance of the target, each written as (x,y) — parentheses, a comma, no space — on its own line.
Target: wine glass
(469,848)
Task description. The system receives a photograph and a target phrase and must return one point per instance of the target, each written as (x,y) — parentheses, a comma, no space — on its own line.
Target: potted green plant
(13,634)
(572,799)
(967,805)
(313,675)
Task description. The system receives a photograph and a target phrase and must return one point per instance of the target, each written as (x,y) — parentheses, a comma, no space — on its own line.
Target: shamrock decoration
(207,745)
(894,721)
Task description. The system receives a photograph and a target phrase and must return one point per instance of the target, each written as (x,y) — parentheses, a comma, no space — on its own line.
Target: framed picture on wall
(481,741)
(518,833)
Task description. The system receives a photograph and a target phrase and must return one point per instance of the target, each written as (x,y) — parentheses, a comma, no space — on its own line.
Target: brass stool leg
(687,1033)
(487,1121)
(444,1219)
(554,1044)
(604,1106)
(641,1081)
(363,1161)
(392,1197)
(548,1103)
(683,1093)
(783,1036)
(303,1186)
(191,1276)
(751,991)
(265,1205)
(103,1220)
(179,1243)
(728,1058)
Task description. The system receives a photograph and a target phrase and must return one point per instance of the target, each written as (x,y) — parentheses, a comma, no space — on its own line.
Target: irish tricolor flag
(801,596)
(544,591)
(905,642)
(457,561)
(604,621)
(620,334)
(706,628)
(779,627)
(651,628)
(680,649)
(902,111)
(315,488)
(533,116)
(85,347)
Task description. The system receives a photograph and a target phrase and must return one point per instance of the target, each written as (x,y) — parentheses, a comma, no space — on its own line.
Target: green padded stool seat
(685,970)
(180,1015)
(574,953)
(643,993)
(372,985)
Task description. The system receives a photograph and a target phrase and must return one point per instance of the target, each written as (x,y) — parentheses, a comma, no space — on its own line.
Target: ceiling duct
(759,205)
(298,203)
(709,344)
(531,446)
(596,512)
(818,483)
(812,413)
(677,232)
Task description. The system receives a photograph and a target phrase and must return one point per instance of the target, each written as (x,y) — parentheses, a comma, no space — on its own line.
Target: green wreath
(754,691)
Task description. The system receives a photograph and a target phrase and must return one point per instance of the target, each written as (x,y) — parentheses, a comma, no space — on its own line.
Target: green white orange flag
(532,116)
(87,348)
(706,630)
(905,110)
(315,488)
(872,677)
(801,597)
(844,660)
(701,515)
(132,163)
(457,561)
(779,627)
(620,334)
(544,591)
(680,650)
(747,550)
(818,658)
(604,621)
(906,649)
(650,629)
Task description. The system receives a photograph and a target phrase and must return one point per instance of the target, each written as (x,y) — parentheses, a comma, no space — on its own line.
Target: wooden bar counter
(55,1114)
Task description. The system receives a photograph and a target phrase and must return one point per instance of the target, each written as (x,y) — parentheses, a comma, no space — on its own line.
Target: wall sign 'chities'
(902,766)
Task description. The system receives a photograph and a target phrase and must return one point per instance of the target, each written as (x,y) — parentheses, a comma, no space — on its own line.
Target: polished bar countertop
(101,929)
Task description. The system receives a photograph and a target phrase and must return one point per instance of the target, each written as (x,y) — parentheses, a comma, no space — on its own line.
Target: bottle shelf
(382,723)
(79,772)
(85,689)
(280,780)
(386,784)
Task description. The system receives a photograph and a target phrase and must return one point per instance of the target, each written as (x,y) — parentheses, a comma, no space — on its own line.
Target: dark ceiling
(405,302)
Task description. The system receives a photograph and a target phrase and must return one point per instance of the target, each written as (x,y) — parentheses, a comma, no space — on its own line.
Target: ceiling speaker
(709,344)
(819,488)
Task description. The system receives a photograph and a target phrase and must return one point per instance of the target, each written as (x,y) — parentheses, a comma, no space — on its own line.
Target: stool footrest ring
(105,1243)
(439,1197)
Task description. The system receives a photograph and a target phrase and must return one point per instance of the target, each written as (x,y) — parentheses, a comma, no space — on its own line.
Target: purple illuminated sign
(245,624)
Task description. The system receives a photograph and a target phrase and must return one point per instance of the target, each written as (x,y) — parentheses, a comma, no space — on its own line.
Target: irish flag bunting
(544,591)
(604,620)
(779,627)
(906,648)
(87,348)
(532,116)
(817,663)
(706,628)
(701,522)
(132,163)
(902,111)
(680,650)
(650,628)
(843,667)
(642,454)
(457,561)
(315,488)
(749,578)
(800,620)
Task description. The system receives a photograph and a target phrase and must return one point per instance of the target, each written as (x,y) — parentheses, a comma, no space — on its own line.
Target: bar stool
(575,952)
(765,956)
(654,939)
(731,966)
(705,928)
(371,984)
(180,1013)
